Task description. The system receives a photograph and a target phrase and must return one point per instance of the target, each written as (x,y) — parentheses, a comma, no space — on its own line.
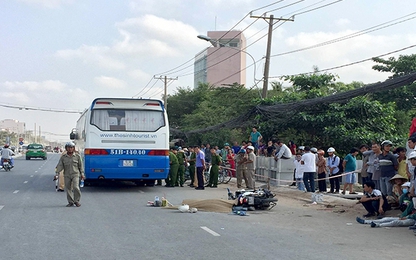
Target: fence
(279,172)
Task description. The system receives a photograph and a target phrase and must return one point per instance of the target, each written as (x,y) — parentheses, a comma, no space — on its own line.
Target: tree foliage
(363,119)
(206,106)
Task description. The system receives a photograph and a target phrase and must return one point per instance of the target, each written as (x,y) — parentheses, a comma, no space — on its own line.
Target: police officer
(174,166)
(215,166)
(181,169)
(192,169)
(71,164)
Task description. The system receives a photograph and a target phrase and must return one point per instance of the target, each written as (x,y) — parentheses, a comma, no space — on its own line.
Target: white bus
(124,139)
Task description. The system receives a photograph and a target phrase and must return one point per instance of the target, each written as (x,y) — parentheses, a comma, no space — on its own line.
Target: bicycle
(207,174)
(226,172)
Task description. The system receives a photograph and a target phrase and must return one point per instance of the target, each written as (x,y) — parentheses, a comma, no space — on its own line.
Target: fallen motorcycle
(261,199)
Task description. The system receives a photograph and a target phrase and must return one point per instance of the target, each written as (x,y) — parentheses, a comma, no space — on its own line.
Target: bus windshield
(128,120)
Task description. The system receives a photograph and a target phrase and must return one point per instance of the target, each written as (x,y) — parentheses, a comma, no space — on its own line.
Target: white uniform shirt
(309,162)
(299,169)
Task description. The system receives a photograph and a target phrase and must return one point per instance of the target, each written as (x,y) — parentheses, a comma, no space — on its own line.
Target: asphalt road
(115,223)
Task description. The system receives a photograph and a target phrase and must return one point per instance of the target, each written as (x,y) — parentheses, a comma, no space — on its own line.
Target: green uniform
(192,167)
(173,171)
(215,166)
(181,170)
(73,169)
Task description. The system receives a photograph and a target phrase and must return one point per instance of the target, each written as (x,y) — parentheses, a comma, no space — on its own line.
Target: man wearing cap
(72,165)
(332,162)
(411,143)
(251,166)
(180,180)
(192,169)
(412,160)
(309,167)
(241,168)
(174,166)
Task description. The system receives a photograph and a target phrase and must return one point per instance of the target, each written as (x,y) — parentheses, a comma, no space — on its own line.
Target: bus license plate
(127,163)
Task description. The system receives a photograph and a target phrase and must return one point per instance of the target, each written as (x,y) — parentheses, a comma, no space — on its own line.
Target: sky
(61,54)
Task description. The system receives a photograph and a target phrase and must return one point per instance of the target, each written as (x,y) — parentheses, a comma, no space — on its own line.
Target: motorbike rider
(6,154)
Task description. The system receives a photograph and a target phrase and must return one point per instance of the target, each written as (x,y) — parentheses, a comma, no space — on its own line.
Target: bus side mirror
(73,136)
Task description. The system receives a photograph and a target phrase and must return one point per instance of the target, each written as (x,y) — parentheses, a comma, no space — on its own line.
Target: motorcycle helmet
(412,155)
(314,150)
(6,146)
(69,144)
(331,150)
(184,208)
(242,151)
(301,148)
(386,142)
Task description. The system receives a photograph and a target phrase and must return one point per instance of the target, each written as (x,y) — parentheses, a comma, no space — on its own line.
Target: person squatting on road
(71,164)
(373,200)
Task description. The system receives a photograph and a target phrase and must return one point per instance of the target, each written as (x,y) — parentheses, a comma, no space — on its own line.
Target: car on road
(36,151)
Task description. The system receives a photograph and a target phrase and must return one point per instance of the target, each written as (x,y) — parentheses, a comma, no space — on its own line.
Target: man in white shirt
(309,169)
(373,200)
(284,151)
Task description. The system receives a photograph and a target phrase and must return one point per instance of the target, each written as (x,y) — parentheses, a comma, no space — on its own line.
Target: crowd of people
(387,175)
(240,160)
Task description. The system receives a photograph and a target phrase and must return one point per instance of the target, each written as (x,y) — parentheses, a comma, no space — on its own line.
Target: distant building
(224,64)
(12,126)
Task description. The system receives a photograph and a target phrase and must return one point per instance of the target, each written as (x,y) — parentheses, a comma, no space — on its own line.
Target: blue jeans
(299,184)
(385,186)
(308,180)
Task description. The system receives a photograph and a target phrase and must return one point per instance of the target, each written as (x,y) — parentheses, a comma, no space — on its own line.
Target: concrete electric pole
(270,20)
(165,80)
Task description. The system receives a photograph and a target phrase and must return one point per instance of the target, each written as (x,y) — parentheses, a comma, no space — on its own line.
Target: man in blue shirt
(200,167)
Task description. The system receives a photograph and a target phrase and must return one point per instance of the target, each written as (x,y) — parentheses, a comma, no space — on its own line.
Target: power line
(319,7)
(352,35)
(22,107)
(143,88)
(352,63)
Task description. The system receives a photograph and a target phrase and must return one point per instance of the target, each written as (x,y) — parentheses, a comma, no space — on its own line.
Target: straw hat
(397,176)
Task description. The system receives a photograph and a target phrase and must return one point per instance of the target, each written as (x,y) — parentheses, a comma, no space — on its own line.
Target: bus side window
(112,121)
(122,121)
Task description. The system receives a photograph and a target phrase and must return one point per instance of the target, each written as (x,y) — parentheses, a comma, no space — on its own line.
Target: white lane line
(215,234)
(25,182)
(16,191)
(1,207)
(36,171)
(31,176)
(141,191)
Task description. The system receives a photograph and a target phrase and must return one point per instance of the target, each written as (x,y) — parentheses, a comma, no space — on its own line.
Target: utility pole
(271,22)
(165,80)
